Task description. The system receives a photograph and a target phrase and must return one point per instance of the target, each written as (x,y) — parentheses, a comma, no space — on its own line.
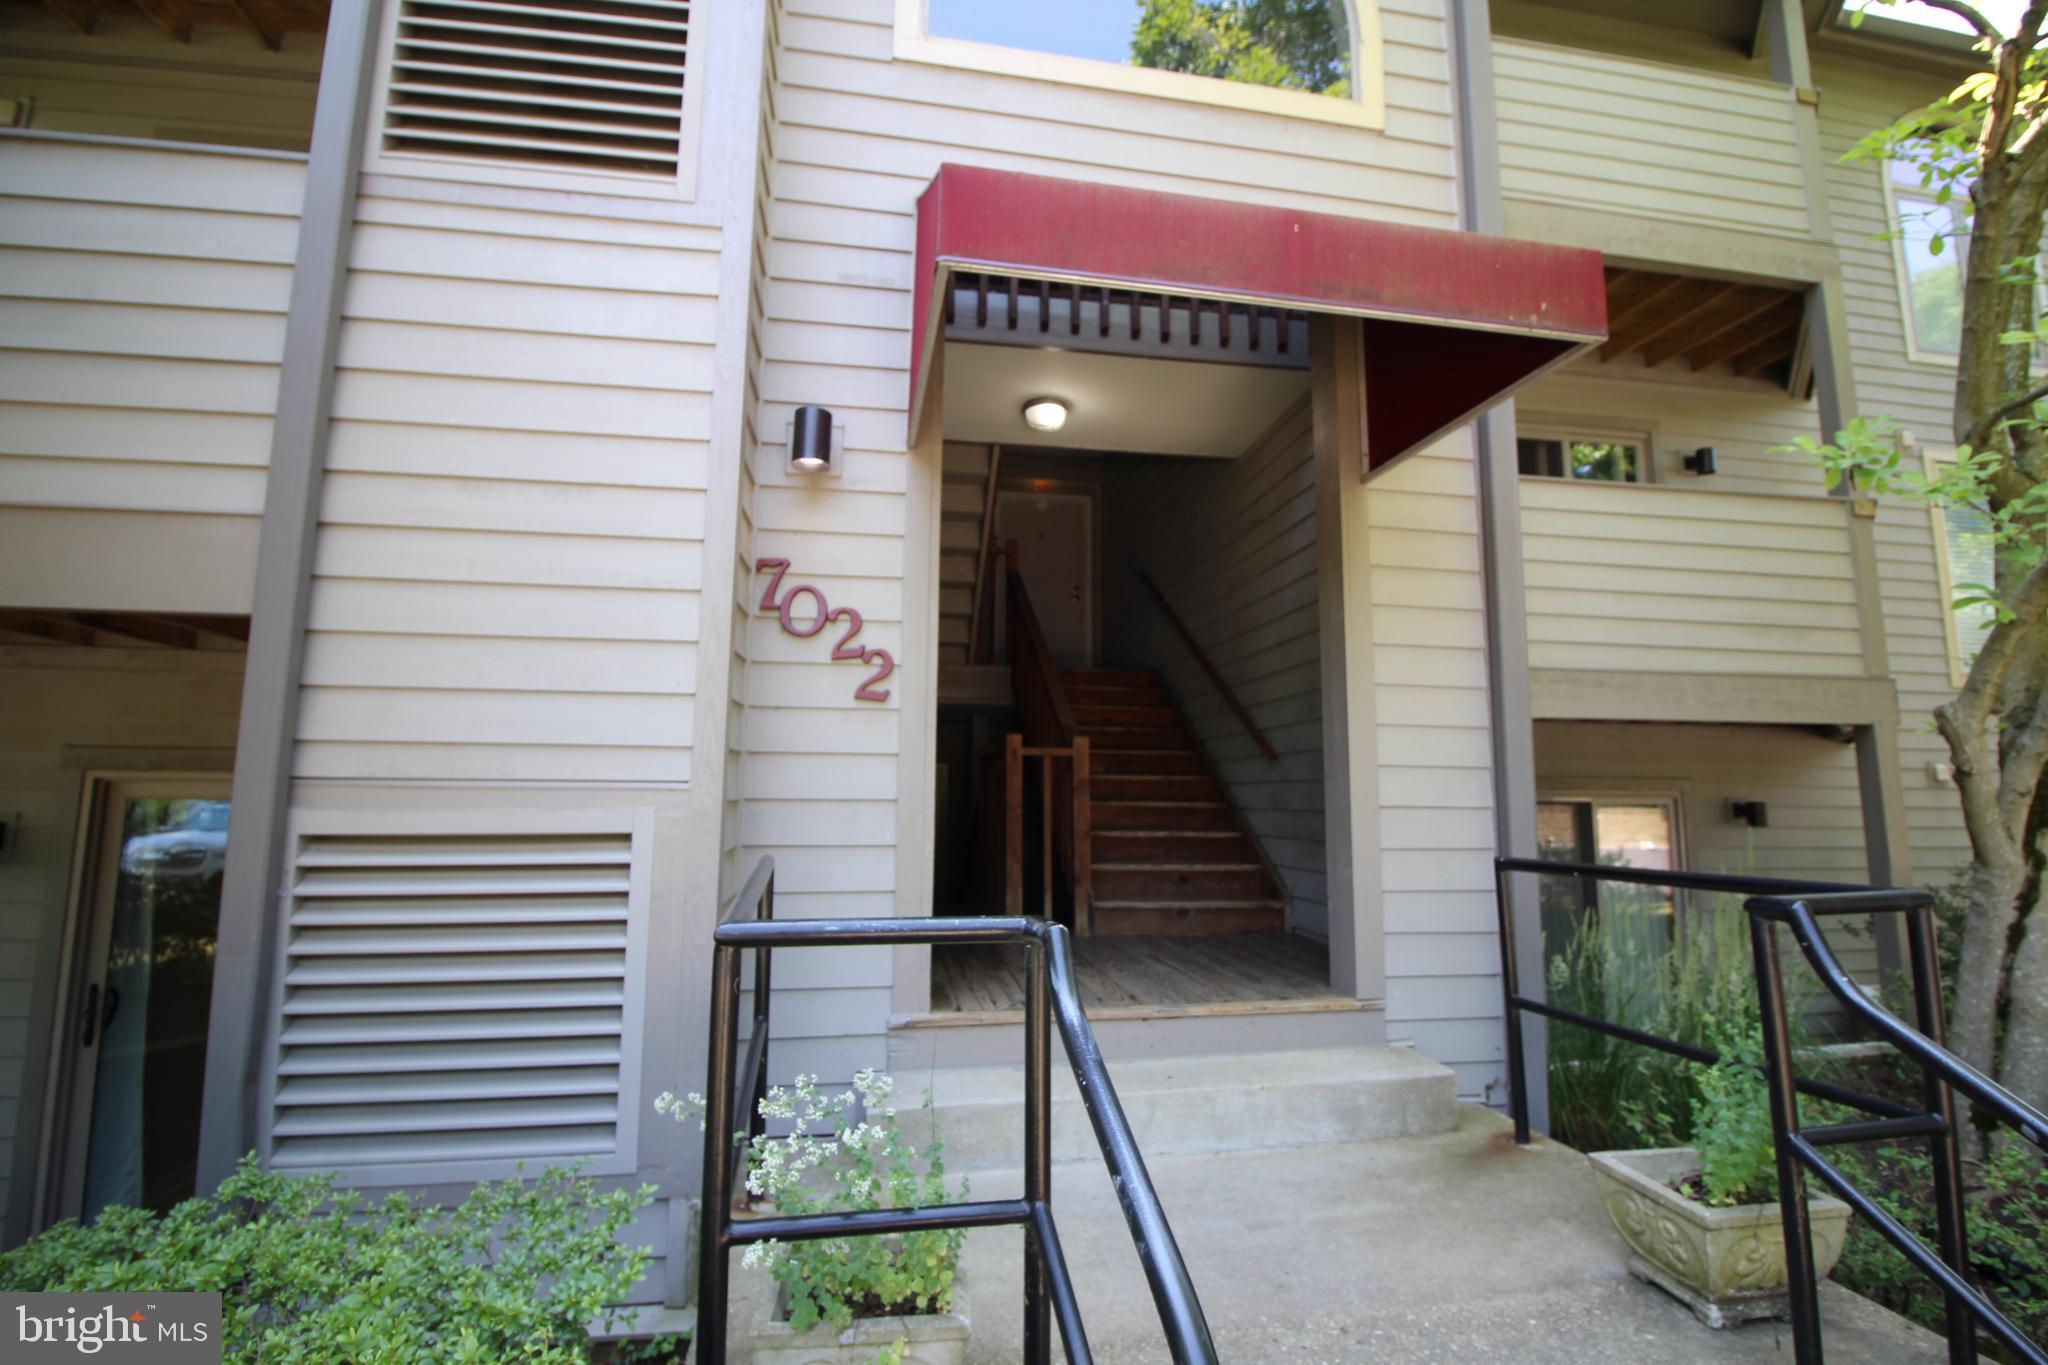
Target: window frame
(913,41)
(1944,577)
(1902,276)
(1651,793)
(1568,432)
(380,160)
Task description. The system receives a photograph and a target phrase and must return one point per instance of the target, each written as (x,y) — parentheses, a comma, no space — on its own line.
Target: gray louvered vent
(453,999)
(577,83)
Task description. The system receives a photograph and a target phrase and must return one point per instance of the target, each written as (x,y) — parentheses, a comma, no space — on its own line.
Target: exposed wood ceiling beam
(1687,309)
(1765,352)
(259,19)
(76,13)
(1735,307)
(45,627)
(235,628)
(174,22)
(1782,318)
(1628,290)
(1653,315)
(152,630)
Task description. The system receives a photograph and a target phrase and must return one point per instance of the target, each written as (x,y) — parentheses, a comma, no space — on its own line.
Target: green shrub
(1619,965)
(1738,1156)
(2008,1234)
(310,1273)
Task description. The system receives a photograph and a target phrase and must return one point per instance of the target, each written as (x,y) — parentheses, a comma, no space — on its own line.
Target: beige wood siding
(1590,130)
(856,137)
(1662,579)
(142,301)
(126,80)
(511,524)
(1920,394)
(1232,544)
(1428,611)
(120,704)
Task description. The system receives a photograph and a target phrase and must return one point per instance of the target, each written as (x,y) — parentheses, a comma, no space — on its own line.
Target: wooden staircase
(1171,854)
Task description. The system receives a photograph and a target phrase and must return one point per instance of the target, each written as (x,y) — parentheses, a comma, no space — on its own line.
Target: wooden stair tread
(1175,867)
(1173,833)
(1251,903)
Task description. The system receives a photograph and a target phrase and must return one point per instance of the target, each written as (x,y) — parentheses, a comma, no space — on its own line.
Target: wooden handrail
(1223,688)
(1052,738)
(986,532)
(1036,680)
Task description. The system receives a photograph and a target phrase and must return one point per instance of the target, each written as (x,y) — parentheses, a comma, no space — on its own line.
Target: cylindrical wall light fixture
(810,441)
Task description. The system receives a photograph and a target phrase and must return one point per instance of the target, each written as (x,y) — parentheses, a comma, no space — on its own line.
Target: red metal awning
(1454,320)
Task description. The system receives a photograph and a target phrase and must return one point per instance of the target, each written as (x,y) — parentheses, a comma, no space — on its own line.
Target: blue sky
(1076,28)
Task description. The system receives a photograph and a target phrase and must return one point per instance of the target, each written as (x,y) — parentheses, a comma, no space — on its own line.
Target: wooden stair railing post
(1050,736)
(1049,834)
(1013,824)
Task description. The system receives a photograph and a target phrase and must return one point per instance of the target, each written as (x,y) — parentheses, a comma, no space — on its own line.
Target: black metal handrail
(1517,1004)
(1050,993)
(1798,1148)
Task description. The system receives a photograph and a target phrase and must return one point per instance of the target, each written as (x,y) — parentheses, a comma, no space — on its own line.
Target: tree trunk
(1991,897)
(2026,1029)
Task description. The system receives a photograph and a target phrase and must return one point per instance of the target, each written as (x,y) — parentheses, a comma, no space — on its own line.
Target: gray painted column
(254,888)
(1510,719)
(1887,857)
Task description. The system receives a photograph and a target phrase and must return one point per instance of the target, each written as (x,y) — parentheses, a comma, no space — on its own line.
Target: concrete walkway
(1455,1247)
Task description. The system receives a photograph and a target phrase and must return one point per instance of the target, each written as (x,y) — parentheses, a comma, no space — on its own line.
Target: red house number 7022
(846,648)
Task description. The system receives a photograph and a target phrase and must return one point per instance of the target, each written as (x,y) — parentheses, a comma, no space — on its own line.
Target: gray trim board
(1887,855)
(1509,724)
(1711,698)
(256,862)
(27,1205)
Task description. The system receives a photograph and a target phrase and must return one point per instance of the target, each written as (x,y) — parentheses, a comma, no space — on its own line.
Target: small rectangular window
(1596,459)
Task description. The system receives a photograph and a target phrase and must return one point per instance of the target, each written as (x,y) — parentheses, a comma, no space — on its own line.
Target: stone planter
(1727,1265)
(932,1338)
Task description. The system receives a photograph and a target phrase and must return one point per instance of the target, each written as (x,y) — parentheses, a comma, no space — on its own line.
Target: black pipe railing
(1050,994)
(1517,1004)
(1771,901)
(1942,1072)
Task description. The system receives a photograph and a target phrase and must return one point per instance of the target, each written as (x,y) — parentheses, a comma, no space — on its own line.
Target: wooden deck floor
(1120,972)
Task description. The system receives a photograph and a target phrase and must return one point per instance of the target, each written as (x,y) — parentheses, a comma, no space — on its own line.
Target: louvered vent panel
(579,83)
(453,999)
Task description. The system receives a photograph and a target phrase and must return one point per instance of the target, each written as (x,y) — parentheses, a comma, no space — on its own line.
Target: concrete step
(1187,1106)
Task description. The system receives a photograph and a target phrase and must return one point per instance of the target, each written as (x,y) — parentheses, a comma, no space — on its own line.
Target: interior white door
(1055,535)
